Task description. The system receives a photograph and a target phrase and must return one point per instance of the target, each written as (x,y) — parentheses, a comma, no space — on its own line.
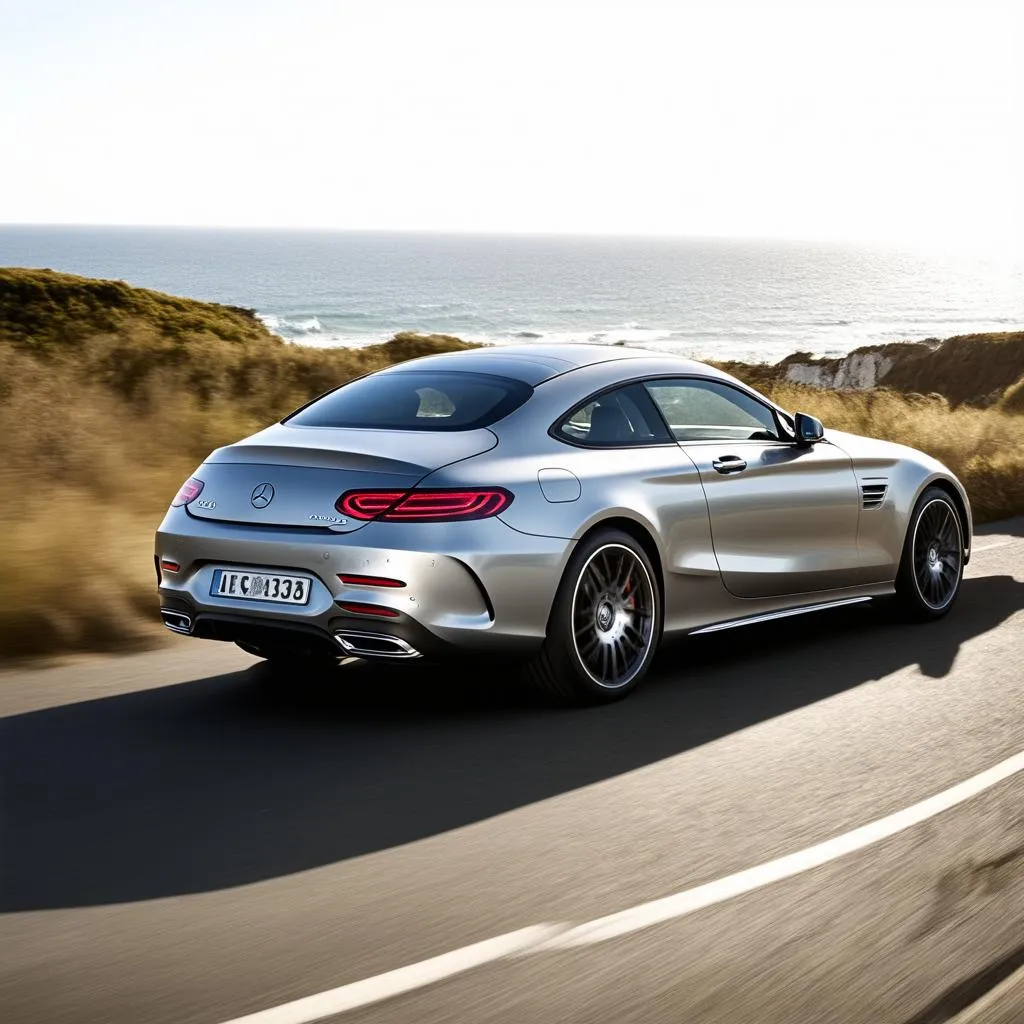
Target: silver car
(569,505)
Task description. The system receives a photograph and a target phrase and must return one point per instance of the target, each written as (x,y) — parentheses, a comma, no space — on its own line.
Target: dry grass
(86,478)
(103,413)
(1013,398)
(100,425)
(94,448)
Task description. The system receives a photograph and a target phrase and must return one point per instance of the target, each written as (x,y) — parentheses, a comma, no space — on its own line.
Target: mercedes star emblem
(263,496)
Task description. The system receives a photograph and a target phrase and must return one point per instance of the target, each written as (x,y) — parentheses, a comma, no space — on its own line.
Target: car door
(783,516)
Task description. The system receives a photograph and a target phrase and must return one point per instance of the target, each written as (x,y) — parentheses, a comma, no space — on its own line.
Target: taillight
(189,492)
(367,504)
(424,506)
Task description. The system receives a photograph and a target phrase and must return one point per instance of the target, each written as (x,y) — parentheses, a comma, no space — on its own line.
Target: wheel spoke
(947,535)
(607,668)
(634,637)
(922,572)
(623,576)
(609,573)
(621,654)
(948,577)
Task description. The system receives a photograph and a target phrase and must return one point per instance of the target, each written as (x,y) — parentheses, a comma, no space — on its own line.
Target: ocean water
(720,299)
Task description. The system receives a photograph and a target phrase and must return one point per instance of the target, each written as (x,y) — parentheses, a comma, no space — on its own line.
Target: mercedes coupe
(567,505)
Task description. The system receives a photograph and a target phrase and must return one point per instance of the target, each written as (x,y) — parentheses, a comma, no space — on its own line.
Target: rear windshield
(416,400)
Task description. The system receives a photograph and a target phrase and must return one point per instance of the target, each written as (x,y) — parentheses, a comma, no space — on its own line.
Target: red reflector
(424,506)
(169,564)
(368,609)
(368,581)
(189,492)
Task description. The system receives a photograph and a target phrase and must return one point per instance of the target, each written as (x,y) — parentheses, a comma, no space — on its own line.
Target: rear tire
(605,623)
(932,566)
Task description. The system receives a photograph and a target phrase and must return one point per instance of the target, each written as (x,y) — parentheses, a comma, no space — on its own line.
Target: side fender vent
(872,494)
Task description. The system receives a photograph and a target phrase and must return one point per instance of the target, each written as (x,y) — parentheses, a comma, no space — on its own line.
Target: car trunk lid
(292,476)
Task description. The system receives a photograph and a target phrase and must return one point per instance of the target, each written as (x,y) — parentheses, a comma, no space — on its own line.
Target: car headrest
(608,425)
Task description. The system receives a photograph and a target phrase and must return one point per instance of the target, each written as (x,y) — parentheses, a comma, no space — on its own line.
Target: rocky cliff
(977,369)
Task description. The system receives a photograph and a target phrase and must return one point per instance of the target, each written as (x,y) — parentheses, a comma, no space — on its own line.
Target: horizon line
(905,241)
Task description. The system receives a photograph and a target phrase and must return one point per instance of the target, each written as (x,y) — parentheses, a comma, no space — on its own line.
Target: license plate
(244,585)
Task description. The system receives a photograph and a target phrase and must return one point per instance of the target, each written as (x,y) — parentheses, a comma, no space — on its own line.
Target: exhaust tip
(374,645)
(178,622)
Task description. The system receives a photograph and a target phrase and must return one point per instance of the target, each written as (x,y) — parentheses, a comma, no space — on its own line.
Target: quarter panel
(656,487)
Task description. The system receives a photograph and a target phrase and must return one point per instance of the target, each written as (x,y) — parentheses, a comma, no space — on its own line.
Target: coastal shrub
(1013,398)
(970,368)
(46,311)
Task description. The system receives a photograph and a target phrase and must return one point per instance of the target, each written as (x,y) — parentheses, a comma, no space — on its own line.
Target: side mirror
(808,429)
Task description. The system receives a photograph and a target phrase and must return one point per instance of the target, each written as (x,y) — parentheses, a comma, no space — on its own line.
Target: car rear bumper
(477,585)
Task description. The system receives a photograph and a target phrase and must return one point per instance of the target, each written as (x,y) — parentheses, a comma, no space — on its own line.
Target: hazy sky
(827,120)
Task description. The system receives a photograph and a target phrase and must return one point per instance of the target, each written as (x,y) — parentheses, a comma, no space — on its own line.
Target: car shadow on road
(1006,527)
(237,778)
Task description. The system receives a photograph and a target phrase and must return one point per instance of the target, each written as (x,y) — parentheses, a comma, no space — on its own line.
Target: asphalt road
(184,839)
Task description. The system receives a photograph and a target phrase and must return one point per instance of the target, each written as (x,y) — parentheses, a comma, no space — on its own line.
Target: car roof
(532,364)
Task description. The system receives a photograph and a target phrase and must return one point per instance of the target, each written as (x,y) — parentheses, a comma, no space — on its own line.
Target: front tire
(605,623)
(932,565)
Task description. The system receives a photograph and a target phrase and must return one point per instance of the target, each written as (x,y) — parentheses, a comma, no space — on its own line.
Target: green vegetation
(111,395)
(41,310)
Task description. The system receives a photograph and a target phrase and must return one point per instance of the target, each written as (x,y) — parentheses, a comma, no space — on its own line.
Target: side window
(624,418)
(704,410)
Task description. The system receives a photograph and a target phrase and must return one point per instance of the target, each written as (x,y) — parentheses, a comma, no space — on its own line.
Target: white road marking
(544,937)
(404,979)
(689,900)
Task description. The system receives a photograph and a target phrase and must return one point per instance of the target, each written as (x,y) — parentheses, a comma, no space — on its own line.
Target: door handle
(729,464)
